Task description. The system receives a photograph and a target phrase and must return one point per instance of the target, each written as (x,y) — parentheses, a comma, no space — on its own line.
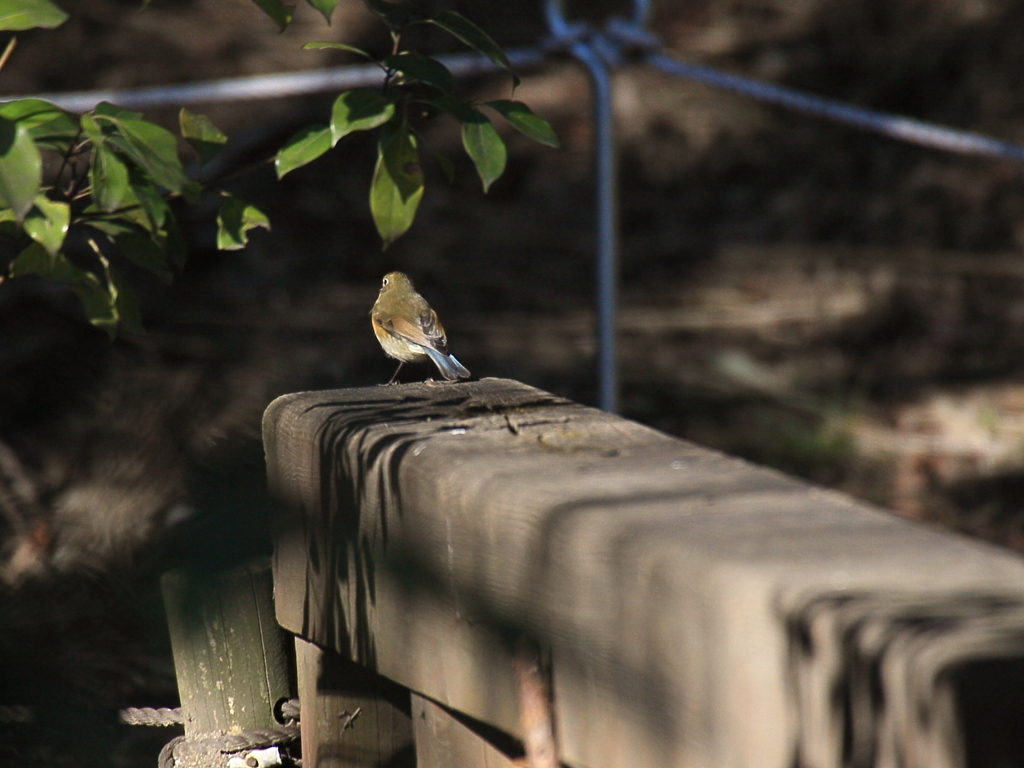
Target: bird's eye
(386,281)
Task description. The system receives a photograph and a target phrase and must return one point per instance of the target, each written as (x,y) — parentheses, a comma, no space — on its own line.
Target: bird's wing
(382,321)
(428,332)
(433,330)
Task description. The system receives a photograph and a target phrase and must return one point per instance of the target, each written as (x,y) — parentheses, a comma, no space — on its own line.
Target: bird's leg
(395,375)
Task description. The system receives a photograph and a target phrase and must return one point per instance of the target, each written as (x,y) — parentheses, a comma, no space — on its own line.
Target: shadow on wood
(697,610)
(351,717)
(229,654)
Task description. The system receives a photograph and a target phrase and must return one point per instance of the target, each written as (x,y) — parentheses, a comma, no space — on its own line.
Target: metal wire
(641,12)
(273,86)
(597,51)
(902,128)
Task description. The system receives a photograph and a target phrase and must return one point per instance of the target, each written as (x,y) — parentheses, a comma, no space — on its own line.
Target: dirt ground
(834,304)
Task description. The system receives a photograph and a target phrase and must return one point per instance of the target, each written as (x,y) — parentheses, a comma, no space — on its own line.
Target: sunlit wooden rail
(689,609)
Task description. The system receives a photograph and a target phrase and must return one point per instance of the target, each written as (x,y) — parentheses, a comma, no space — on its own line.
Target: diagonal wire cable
(282,85)
(598,52)
(894,126)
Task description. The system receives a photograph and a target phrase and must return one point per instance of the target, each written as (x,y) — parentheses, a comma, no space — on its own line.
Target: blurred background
(828,302)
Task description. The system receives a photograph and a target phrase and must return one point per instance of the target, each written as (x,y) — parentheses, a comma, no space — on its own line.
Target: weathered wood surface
(229,654)
(351,717)
(699,611)
(444,741)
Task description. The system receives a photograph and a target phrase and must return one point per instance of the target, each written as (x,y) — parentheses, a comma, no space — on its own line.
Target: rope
(166,757)
(236,742)
(13,713)
(149,716)
(290,710)
(183,750)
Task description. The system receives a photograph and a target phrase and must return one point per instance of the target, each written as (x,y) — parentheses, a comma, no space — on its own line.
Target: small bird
(408,329)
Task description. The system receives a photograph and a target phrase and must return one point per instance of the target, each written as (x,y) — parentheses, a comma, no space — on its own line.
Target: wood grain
(444,741)
(351,717)
(698,610)
(229,655)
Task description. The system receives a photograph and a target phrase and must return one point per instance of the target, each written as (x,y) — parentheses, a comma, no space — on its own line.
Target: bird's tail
(449,367)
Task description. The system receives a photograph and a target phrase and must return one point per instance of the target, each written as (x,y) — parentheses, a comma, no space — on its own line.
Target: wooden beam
(445,740)
(697,610)
(351,717)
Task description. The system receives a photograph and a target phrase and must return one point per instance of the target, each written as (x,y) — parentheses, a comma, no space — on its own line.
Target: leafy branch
(117,172)
(414,79)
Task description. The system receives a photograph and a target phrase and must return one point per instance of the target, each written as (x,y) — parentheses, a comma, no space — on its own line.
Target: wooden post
(229,654)
(351,717)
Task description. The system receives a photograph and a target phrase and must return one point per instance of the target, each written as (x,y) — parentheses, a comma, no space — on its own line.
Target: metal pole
(607,267)
(606,176)
(641,12)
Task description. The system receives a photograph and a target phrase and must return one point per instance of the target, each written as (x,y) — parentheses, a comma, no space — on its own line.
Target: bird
(409,330)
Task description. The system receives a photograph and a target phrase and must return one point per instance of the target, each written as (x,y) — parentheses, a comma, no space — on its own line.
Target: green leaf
(484,146)
(47,124)
(106,109)
(204,137)
(326,7)
(447,168)
(192,192)
(152,208)
(148,146)
(36,260)
(415,66)
(157,251)
(9,226)
(21,167)
(109,178)
(358,110)
(304,147)
(402,161)
(17,15)
(129,217)
(453,105)
(522,118)
(469,33)
(143,250)
(235,219)
(91,129)
(397,186)
(30,112)
(57,133)
(47,223)
(395,16)
(126,308)
(175,247)
(340,46)
(98,303)
(278,11)
(110,227)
